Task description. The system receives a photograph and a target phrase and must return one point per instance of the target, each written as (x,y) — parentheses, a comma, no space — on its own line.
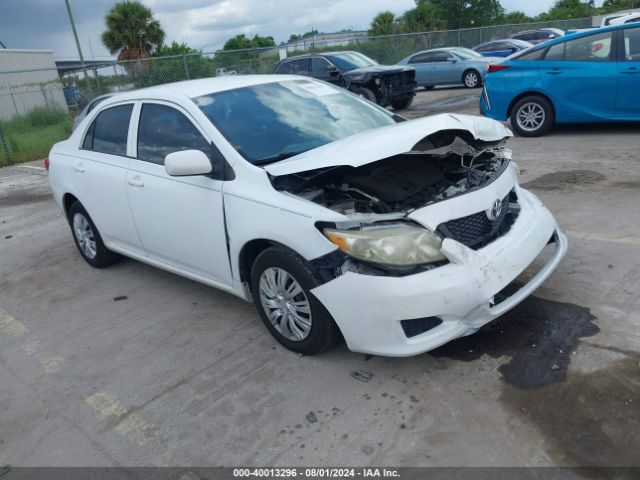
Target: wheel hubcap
(285,304)
(471,80)
(84,235)
(530,117)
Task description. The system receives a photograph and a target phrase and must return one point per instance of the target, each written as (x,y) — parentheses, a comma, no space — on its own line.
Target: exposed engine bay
(441,166)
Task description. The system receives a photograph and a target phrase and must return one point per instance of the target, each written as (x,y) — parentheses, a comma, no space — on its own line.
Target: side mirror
(334,72)
(451,60)
(186,163)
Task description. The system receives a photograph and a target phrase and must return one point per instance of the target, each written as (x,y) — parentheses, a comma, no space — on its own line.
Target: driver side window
(163,130)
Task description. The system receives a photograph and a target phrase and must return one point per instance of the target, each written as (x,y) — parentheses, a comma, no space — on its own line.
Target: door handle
(631,71)
(554,71)
(135,181)
(79,167)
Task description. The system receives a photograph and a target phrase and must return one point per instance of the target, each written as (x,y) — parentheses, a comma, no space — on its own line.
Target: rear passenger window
(301,67)
(108,132)
(632,44)
(422,58)
(555,53)
(284,68)
(532,55)
(163,130)
(593,48)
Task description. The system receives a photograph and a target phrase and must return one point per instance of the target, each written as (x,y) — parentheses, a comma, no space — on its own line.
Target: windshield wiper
(277,158)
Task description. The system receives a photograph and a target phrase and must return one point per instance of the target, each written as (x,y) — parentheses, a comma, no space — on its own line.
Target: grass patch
(31,136)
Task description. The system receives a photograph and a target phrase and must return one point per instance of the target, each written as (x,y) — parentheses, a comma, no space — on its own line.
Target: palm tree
(132,32)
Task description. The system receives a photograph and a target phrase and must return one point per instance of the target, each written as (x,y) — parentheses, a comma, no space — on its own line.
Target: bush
(31,136)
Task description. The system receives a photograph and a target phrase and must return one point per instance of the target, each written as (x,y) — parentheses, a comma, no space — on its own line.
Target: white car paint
(196,226)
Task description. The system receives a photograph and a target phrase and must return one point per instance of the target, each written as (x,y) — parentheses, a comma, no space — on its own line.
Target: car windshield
(465,53)
(273,121)
(351,60)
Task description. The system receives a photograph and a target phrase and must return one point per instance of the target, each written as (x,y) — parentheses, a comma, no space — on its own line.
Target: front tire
(87,238)
(402,104)
(365,93)
(471,79)
(281,282)
(532,116)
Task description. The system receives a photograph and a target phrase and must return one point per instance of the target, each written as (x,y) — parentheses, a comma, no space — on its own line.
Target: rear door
(580,77)
(180,219)
(301,66)
(99,177)
(447,69)
(423,63)
(628,98)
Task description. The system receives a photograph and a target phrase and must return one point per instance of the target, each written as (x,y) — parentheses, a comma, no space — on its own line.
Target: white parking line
(10,326)
(132,426)
(31,166)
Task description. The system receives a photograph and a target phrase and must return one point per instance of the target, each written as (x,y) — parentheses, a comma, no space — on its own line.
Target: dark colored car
(384,85)
(501,48)
(538,36)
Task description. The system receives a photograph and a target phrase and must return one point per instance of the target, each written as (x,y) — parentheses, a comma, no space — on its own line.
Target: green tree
(567,9)
(242,41)
(132,31)
(384,23)
(513,18)
(611,6)
(295,37)
(177,60)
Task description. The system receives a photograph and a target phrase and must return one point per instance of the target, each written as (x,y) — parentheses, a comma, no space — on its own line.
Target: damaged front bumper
(462,296)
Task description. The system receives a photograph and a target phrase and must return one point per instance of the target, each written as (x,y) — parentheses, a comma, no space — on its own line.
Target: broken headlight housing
(398,244)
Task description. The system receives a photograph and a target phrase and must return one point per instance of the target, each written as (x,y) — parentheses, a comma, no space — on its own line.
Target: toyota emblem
(495,210)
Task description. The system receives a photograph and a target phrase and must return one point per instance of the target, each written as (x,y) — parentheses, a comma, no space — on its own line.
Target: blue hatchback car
(501,48)
(591,76)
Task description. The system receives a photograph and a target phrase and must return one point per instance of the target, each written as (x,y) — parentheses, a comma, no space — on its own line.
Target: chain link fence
(37,107)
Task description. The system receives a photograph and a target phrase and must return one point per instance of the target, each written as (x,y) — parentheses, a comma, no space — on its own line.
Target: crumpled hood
(373,145)
(378,69)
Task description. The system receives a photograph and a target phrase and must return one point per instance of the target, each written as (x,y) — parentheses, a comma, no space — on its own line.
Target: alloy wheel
(471,80)
(84,235)
(531,116)
(285,303)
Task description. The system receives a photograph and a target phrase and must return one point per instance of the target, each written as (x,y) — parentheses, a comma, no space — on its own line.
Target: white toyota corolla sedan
(330,213)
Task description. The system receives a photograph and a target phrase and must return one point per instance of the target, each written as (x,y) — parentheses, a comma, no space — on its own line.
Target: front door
(580,76)
(180,219)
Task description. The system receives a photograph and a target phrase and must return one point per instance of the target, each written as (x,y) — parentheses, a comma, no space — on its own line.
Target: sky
(44,24)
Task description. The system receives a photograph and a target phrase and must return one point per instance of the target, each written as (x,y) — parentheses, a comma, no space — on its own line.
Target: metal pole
(5,149)
(75,35)
(186,67)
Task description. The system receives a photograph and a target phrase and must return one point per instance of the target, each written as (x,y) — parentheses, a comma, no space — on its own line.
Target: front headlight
(400,245)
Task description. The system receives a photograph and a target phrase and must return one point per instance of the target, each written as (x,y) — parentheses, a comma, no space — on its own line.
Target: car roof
(203,86)
(320,54)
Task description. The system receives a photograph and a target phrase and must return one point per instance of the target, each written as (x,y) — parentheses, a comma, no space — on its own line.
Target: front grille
(478,230)
(413,328)
(402,81)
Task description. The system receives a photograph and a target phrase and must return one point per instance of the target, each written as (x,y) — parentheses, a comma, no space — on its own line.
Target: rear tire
(402,104)
(532,116)
(87,238)
(365,93)
(471,79)
(281,282)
